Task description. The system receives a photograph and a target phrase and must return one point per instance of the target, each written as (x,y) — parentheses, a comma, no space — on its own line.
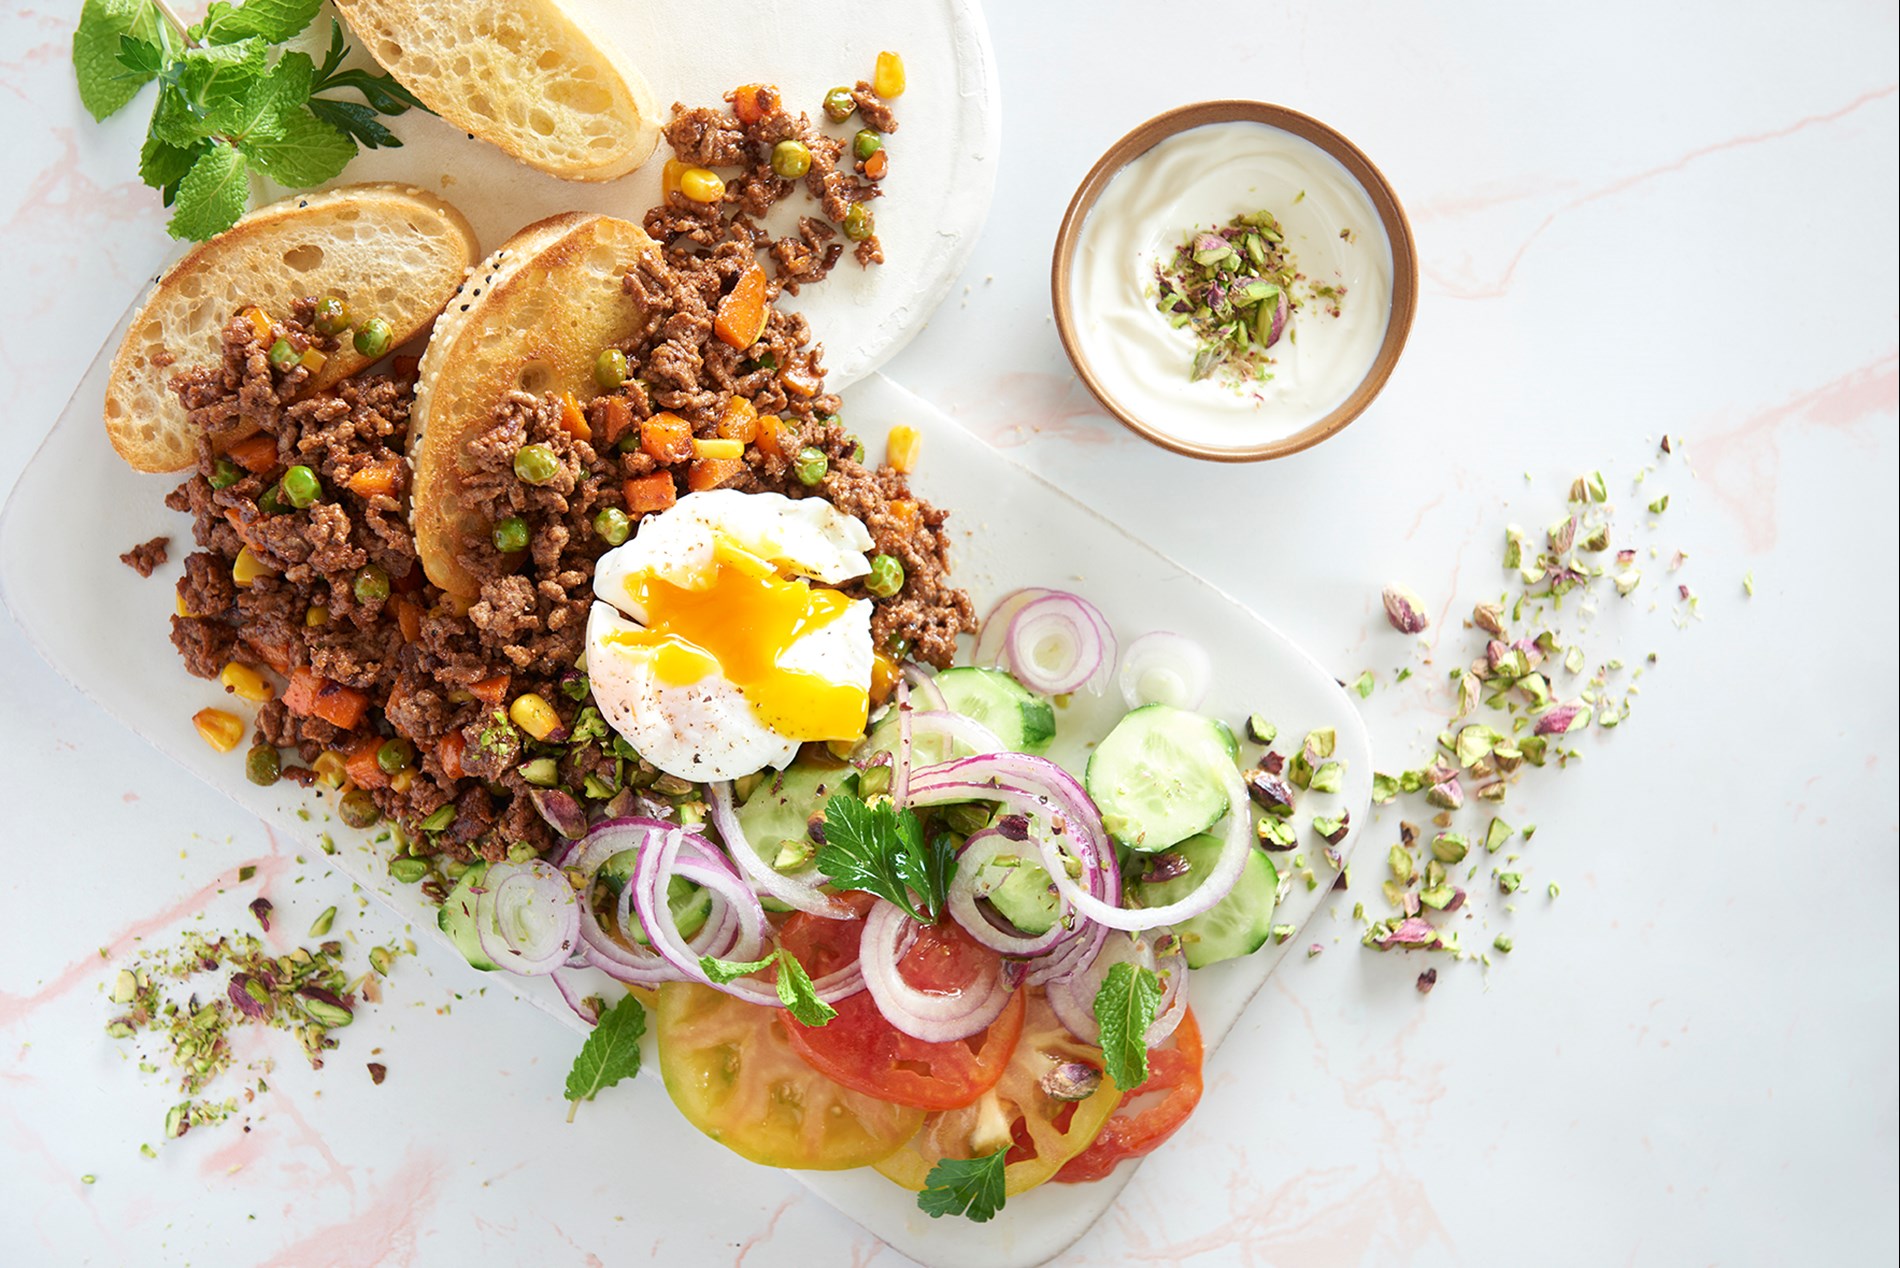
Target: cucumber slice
(1022,894)
(1154,776)
(781,807)
(457,918)
(1239,924)
(1021,719)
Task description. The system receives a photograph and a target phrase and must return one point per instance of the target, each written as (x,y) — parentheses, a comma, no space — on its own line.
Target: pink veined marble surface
(1631,219)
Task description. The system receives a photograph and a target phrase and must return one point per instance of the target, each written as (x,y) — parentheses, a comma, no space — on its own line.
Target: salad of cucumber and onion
(936,952)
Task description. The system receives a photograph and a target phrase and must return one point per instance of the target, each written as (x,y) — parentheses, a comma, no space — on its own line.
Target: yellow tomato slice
(1045,1132)
(732,1074)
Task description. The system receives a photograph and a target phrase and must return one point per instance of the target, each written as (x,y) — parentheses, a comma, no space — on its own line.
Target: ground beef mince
(146,557)
(461,719)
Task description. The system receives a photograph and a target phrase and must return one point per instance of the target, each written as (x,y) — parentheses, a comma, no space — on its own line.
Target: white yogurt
(1205,177)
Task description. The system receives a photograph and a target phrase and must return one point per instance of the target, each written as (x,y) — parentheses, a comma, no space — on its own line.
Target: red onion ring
(571,995)
(932,1016)
(1073,997)
(900,772)
(622,957)
(1162,667)
(527,917)
(978,850)
(1075,629)
(923,682)
(798,890)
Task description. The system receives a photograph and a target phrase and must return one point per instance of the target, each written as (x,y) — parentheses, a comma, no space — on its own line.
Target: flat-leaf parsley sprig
(225,107)
(971,1187)
(880,850)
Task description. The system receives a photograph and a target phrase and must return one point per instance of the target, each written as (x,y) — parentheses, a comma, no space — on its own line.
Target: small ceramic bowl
(1398,233)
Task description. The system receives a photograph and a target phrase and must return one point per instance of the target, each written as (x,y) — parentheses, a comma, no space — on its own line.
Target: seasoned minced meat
(146,557)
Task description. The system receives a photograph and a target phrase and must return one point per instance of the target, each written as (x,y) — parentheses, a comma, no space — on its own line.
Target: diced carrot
(667,437)
(408,617)
(904,511)
(450,754)
(360,761)
(650,493)
(300,697)
(340,706)
(740,422)
(378,480)
(237,526)
(772,436)
(800,381)
(875,167)
(273,652)
(742,313)
(260,324)
(614,415)
(752,102)
(573,422)
(492,690)
(256,454)
(710,473)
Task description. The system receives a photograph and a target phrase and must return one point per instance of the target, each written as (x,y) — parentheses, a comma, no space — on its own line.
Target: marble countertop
(1633,220)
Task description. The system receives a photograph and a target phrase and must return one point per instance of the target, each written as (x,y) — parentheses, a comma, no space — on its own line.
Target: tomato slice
(861,1050)
(729,1069)
(1153,1112)
(1043,1133)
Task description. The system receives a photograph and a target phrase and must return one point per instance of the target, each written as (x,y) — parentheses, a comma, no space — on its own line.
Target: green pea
(840,104)
(283,355)
(613,525)
(441,819)
(408,871)
(373,337)
(887,576)
(271,501)
(610,368)
(225,473)
(301,487)
(859,223)
(511,534)
(791,159)
(371,585)
(897,645)
(857,449)
(395,755)
(810,465)
(358,809)
(536,464)
(332,316)
(262,765)
(866,143)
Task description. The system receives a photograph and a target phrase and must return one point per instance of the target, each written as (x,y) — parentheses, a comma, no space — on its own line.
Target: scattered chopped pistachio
(1313,950)
(1363,684)
(321,925)
(1510,882)
(1489,617)
(1331,829)
(1748,584)
(1497,834)
(1384,788)
(1405,610)
(1660,505)
(1282,933)
(1450,847)
(1502,943)
(1329,778)
(1261,731)
(1399,859)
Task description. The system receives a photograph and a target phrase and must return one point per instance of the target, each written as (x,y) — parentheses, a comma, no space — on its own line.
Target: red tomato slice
(861,1050)
(1151,1113)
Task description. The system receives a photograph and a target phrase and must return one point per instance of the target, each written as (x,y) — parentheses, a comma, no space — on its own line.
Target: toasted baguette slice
(387,250)
(520,74)
(534,317)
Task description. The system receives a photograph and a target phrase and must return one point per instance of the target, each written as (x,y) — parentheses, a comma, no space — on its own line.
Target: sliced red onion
(1165,668)
(995,631)
(623,957)
(932,1016)
(527,917)
(1073,997)
(923,682)
(571,992)
(978,851)
(798,890)
(1060,643)
(905,756)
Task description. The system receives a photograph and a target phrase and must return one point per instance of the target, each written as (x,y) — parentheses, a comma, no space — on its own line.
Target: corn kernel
(330,769)
(316,614)
(403,779)
(901,448)
(178,601)
(670,177)
(249,568)
(312,360)
(260,324)
(534,715)
(246,683)
(727,449)
(702,185)
(220,730)
(888,78)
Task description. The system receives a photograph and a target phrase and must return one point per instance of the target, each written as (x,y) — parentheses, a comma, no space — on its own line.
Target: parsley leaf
(795,989)
(1125,1005)
(611,1053)
(212,194)
(880,850)
(105,82)
(970,1187)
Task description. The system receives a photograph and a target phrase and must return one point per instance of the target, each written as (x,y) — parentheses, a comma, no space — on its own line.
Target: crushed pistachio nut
(1405,610)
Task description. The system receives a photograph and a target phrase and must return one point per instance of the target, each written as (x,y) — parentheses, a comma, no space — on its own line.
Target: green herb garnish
(1125,1007)
(611,1053)
(970,1187)
(225,109)
(795,990)
(881,851)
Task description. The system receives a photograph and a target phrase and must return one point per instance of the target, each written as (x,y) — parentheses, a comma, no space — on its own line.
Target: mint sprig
(611,1053)
(971,1187)
(1125,1007)
(227,107)
(794,985)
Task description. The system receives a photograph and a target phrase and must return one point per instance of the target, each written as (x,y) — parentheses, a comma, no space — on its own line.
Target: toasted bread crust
(533,317)
(388,250)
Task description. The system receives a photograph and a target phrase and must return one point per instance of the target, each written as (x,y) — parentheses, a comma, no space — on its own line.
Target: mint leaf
(106,83)
(162,166)
(1125,1006)
(723,971)
(970,1187)
(797,993)
(611,1053)
(142,57)
(204,90)
(307,152)
(265,112)
(272,20)
(212,194)
(880,851)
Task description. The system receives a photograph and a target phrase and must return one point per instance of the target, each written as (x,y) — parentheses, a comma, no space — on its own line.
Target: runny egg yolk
(739,627)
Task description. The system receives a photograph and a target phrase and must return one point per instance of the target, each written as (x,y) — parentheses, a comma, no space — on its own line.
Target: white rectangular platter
(104,629)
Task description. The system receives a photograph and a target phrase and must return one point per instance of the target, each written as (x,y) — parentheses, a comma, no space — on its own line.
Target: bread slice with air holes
(387,250)
(521,74)
(533,318)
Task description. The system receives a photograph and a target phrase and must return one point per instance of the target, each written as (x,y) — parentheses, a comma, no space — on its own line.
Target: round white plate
(943,155)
